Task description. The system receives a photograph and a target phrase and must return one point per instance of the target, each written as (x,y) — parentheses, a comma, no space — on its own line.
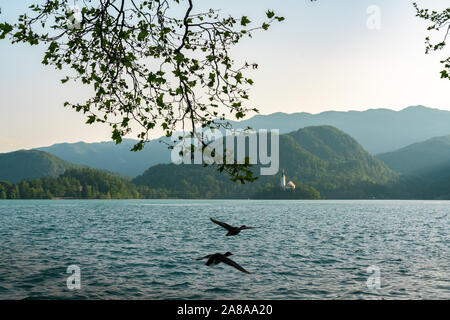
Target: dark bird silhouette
(232,231)
(217,258)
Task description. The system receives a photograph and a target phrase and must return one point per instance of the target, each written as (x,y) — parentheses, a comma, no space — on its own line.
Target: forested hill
(78,184)
(419,157)
(377,130)
(322,161)
(97,184)
(30,164)
(322,158)
(437,183)
(113,157)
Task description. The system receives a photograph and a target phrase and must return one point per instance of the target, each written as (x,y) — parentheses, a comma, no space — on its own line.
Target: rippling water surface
(143,249)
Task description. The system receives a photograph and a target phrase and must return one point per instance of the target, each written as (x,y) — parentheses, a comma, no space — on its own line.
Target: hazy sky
(323,57)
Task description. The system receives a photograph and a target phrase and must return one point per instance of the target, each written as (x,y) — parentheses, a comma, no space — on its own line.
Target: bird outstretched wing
(201,258)
(232,263)
(222,224)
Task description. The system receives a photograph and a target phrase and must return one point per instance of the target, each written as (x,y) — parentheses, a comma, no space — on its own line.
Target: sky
(322,57)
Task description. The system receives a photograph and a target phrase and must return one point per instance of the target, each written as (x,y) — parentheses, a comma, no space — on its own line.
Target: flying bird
(232,231)
(217,258)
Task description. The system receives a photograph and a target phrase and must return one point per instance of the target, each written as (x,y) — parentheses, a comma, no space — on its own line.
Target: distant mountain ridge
(321,157)
(438,182)
(377,130)
(30,164)
(322,161)
(113,157)
(419,158)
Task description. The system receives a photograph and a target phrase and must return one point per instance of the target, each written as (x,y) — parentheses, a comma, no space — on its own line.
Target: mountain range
(376,130)
(29,164)
(113,157)
(320,158)
(419,157)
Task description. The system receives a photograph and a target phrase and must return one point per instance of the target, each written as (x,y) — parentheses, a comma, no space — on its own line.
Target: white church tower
(289,186)
(283,181)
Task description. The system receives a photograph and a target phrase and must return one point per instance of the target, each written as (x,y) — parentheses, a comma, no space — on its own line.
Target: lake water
(143,249)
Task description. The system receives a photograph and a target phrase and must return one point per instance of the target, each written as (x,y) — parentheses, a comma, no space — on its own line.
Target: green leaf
(245,21)
(142,35)
(116,136)
(53,47)
(138,146)
(270,14)
(238,77)
(5,28)
(239,115)
(91,120)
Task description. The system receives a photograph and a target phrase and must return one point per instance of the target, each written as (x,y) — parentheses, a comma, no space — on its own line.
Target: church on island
(289,186)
